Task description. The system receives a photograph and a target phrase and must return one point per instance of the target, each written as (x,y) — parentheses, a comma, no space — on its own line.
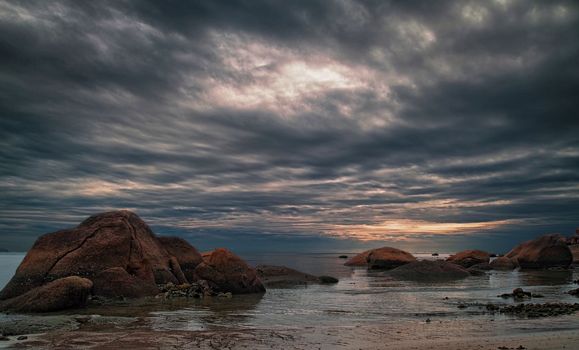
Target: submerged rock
(281,276)
(468,258)
(226,272)
(549,251)
(63,293)
(273,275)
(426,270)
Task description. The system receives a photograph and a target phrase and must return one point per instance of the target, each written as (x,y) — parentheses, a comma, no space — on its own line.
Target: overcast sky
(293,125)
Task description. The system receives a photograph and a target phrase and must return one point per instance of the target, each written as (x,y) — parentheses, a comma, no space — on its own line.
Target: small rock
(343,257)
(22,337)
(225,295)
(428,320)
(328,279)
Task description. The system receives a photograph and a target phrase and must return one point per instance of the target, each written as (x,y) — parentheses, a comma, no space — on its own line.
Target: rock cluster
(536,310)
(197,290)
(118,254)
(520,294)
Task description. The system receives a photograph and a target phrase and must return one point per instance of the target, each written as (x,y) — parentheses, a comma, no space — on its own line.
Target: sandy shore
(290,339)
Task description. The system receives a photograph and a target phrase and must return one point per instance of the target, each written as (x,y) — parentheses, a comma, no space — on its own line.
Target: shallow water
(364,304)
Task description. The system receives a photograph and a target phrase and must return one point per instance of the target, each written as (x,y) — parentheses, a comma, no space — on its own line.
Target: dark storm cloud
(292,123)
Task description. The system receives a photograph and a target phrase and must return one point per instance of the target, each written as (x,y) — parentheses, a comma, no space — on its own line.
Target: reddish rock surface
(468,258)
(385,257)
(112,239)
(388,258)
(428,270)
(359,260)
(503,263)
(543,252)
(188,257)
(64,293)
(226,272)
(117,282)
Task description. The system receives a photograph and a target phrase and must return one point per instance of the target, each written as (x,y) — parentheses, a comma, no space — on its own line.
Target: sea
(363,307)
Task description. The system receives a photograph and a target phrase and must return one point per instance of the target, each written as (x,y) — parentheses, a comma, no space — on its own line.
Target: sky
(311,125)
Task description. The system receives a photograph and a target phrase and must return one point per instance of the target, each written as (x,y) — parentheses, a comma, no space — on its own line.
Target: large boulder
(429,271)
(188,257)
(388,258)
(384,258)
(107,240)
(544,252)
(63,293)
(226,272)
(503,263)
(468,258)
(116,282)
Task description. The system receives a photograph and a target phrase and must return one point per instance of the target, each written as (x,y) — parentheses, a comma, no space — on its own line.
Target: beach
(365,310)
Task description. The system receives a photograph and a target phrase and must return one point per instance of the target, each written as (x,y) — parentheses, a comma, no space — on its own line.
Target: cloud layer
(336,122)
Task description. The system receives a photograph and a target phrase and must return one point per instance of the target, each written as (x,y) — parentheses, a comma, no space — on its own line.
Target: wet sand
(289,339)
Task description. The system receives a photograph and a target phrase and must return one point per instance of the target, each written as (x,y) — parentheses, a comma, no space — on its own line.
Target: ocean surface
(363,306)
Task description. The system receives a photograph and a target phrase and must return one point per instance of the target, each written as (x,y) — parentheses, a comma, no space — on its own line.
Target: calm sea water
(363,305)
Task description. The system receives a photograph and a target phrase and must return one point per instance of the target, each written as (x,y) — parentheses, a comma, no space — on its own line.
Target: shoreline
(283,339)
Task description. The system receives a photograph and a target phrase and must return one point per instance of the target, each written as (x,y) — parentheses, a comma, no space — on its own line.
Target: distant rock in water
(343,257)
(381,258)
(123,257)
(282,276)
(226,272)
(63,293)
(503,263)
(434,254)
(548,251)
(388,258)
(468,258)
(429,271)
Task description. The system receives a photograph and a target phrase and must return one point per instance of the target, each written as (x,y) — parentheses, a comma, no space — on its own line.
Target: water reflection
(545,277)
